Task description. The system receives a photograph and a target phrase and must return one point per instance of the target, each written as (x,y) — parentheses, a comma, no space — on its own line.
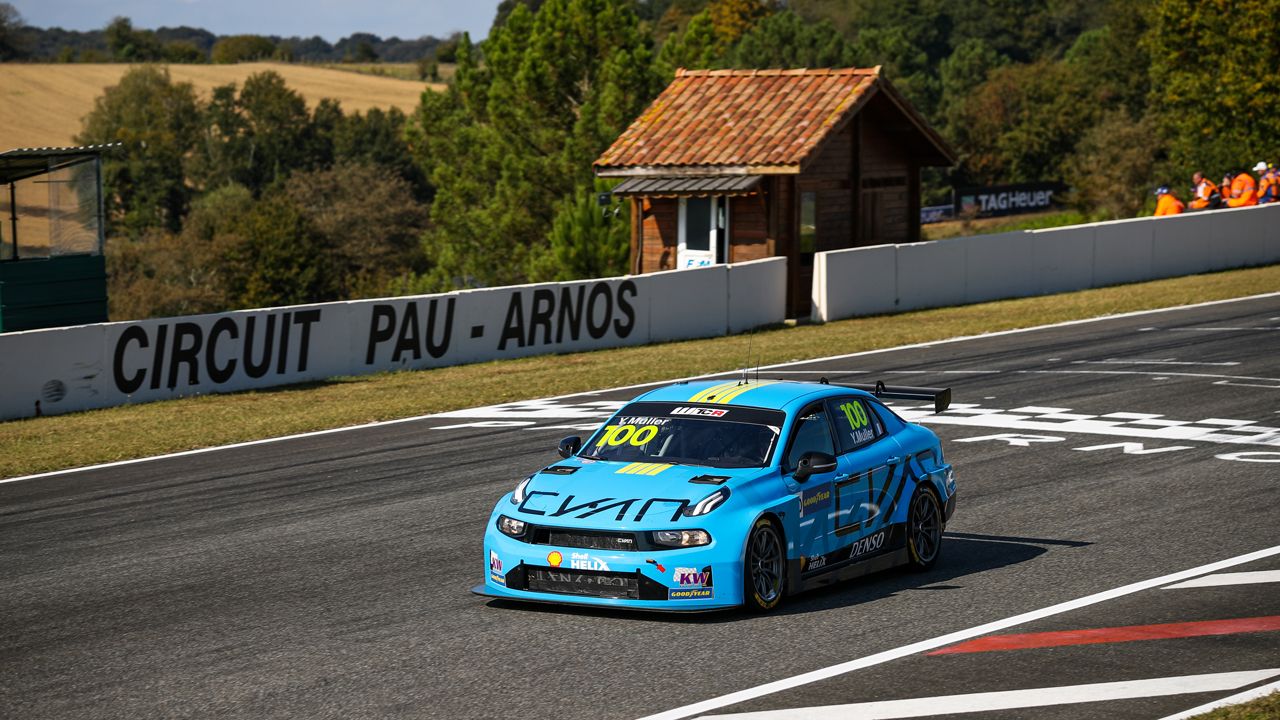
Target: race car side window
(891,421)
(811,433)
(855,423)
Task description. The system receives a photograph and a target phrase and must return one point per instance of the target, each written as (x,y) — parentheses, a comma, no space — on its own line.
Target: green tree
(1214,73)
(962,72)
(163,274)
(785,40)
(182,51)
(368,222)
(242,48)
(513,136)
(734,18)
(695,47)
(586,240)
(256,136)
(280,258)
(377,137)
(1023,123)
(129,45)
(157,121)
(1114,168)
(12,45)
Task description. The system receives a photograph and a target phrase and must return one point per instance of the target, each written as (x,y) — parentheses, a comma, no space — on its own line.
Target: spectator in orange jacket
(1244,191)
(1268,183)
(1166,203)
(1204,192)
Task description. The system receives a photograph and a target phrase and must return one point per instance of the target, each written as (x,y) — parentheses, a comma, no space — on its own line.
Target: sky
(330,19)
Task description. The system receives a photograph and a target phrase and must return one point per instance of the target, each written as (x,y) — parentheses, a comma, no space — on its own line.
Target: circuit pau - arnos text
(705,495)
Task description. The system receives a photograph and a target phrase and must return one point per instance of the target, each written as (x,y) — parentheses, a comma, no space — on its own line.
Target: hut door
(704,226)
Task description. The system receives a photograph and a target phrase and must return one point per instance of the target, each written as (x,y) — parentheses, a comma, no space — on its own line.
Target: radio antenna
(746,369)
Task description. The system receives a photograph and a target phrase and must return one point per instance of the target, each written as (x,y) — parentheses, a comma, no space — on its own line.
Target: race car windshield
(719,437)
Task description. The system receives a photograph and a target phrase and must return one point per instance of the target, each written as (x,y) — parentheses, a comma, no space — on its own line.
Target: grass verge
(1266,707)
(59,442)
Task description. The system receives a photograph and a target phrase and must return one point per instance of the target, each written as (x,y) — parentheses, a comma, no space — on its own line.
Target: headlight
(682,538)
(517,497)
(708,503)
(510,526)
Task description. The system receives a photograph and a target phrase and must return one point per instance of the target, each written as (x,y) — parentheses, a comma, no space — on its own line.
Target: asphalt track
(328,575)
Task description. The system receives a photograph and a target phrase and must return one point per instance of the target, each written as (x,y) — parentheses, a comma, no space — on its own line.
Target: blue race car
(707,495)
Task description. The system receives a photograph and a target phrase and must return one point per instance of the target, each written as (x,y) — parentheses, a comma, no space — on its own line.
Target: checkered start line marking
(587,416)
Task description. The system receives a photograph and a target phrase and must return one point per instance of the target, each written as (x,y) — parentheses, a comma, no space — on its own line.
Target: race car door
(811,433)
(867,461)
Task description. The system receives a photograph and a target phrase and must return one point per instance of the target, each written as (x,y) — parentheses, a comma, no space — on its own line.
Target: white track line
(952,638)
(1243,697)
(963,338)
(1016,699)
(1219,579)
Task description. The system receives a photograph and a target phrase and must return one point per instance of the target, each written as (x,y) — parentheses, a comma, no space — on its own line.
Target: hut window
(808,222)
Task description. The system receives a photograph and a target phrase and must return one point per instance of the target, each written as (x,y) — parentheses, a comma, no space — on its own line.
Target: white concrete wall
(888,278)
(94,366)
(757,294)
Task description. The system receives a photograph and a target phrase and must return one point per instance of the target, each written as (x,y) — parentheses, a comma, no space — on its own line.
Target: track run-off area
(1115,553)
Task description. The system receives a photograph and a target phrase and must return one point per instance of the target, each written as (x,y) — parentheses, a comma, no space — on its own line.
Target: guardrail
(892,278)
(93,366)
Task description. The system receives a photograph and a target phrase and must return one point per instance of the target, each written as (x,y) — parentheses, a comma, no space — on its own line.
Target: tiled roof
(751,120)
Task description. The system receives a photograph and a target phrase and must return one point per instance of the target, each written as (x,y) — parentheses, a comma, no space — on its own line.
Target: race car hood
(619,495)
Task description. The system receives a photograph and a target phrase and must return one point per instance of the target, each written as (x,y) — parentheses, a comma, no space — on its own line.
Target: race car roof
(775,394)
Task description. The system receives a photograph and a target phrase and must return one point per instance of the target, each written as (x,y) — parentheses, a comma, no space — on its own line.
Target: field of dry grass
(42,104)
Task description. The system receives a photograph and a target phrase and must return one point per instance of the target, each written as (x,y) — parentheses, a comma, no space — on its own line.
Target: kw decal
(639,468)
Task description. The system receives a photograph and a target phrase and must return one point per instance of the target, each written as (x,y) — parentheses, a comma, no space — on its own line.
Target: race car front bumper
(676,580)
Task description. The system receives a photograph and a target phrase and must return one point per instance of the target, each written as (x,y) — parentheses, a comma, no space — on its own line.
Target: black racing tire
(764,567)
(924,529)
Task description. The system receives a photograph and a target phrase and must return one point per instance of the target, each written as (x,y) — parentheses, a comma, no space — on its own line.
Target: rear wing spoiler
(941,397)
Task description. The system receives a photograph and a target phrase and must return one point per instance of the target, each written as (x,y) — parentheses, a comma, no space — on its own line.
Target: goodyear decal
(690,593)
(726,392)
(639,468)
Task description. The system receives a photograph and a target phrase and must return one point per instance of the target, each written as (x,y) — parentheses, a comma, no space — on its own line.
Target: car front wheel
(763,571)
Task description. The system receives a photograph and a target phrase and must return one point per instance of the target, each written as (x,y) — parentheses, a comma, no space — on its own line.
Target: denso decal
(583,561)
(569,505)
(702,412)
(868,544)
(814,500)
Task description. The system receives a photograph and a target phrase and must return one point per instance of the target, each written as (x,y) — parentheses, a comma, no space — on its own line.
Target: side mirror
(814,463)
(570,446)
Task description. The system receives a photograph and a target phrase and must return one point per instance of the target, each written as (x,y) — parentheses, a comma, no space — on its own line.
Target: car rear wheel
(924,529)
(764,568)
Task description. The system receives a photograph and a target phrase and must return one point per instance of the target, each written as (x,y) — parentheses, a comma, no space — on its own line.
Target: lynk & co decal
(567,506)
(694,584)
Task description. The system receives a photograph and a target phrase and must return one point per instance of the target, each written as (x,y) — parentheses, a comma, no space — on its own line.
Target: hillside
(42,104)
